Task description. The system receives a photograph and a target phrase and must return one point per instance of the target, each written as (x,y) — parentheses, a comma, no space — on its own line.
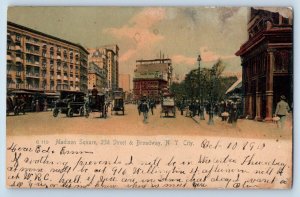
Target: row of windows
(36,42)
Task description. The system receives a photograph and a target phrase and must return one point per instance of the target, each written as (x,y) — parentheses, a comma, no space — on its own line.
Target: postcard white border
(145,193)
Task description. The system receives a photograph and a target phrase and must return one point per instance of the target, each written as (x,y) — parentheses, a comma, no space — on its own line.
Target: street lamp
(211,110)
(201,114)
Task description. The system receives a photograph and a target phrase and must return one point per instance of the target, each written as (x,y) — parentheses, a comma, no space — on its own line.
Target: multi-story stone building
(124,82)
(267,63)
(98,56)
(97,76)
(152,78)
(40,62)
(107,57)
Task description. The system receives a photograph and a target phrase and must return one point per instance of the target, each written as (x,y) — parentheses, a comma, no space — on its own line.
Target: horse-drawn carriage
(118,102)
(70,103)
(15,102)
(97,103)
(168,106)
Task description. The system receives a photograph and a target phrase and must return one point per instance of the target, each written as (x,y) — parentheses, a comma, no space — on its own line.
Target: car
(70,103)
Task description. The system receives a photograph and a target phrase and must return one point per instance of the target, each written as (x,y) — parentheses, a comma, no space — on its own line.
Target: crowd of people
(228,110)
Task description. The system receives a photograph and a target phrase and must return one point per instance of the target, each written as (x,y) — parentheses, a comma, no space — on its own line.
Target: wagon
(70,103)
(168,106)
(97,103)
(118,102)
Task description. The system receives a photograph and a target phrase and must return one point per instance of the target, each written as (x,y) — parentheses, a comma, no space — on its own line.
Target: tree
(209,82)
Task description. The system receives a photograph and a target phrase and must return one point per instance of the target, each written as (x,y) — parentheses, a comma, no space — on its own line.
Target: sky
(180,33)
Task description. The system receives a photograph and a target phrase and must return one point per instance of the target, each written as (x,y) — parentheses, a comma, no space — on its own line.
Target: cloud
(181,59)
(227,12)
(209,56)
(139,32)
(148,17)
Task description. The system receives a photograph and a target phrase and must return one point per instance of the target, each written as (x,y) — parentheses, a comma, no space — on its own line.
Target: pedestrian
(192,109)
(144,109)
(94,91)
(45,105)
(182,106)
(139,106)
(282,110)
(86,106)
(197,108)
(234,114)
(151,105)
(37,105)
(230,110)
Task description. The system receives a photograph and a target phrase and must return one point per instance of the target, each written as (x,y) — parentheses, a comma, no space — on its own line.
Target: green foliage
(209,83)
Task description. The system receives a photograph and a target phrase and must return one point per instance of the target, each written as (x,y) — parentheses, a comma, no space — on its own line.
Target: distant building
(152,78)
(97,77)
(107,57)
(124,82)
(267,63)
(98,56)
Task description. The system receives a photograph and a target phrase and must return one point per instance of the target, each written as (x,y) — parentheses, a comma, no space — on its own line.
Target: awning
(236,85)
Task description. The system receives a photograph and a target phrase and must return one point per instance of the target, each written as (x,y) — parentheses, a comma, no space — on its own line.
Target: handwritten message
(147,162)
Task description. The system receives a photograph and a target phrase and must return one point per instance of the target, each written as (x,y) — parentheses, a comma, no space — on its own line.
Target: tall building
(267,63)
(107,57)
(124,82)
(152,78)
(40,62)
(97,77)
(98,56)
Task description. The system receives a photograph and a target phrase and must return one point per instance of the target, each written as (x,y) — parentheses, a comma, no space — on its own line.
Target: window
(18,37)
(285,20)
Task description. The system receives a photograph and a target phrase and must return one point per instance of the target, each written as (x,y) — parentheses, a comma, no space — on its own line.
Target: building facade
(107,57)
(98,56)
(124,82)
(151,88)
(267,63)
(40,62)
(97,77)
(152,78)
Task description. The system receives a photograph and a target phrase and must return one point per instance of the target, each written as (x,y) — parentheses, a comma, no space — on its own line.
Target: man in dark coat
(144,109)
(94,91)
(151,105)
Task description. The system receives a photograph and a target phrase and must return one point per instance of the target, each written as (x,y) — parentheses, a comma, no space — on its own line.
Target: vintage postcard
(149,97)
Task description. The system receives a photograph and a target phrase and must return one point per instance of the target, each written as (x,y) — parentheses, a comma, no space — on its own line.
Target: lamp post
(211,110)
(201,108)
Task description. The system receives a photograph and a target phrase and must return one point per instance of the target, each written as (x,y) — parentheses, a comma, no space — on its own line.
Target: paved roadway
(43,123)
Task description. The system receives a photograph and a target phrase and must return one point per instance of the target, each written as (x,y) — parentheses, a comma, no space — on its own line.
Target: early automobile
(97,103)
(118,102)
(70,103)
(168,106)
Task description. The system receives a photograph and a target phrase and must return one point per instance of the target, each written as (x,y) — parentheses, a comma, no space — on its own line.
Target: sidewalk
(247,128)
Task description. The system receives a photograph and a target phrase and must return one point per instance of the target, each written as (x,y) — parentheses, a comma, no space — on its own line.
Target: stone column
(258,106)
(269,84)
(250,111)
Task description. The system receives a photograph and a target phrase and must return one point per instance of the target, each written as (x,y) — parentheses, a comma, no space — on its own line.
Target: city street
(43,123)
